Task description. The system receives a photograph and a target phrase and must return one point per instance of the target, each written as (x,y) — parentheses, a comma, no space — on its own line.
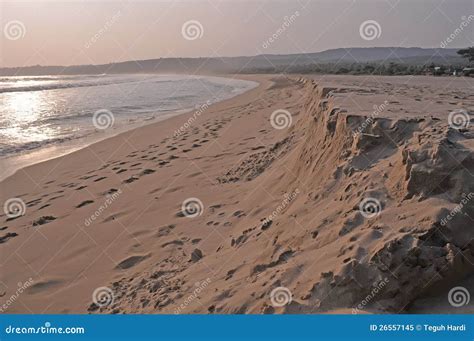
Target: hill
(267,62)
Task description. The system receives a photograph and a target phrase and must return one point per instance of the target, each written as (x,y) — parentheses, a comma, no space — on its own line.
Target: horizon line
(236,56)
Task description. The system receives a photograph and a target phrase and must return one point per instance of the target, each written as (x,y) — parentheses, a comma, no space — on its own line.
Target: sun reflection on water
(21,110)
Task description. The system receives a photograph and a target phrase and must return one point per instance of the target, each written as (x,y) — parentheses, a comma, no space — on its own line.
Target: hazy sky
(94,32)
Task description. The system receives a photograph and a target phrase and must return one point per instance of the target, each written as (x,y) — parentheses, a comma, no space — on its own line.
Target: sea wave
(8,149)
(42,83)
(31,121)
(55,86)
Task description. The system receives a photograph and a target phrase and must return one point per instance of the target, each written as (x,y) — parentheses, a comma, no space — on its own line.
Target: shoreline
(64,251)
(69,147)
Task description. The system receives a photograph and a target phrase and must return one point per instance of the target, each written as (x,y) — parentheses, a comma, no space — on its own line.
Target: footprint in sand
(84,203)
(147,171)
(130,180)
(238,214)
(9,235)
(39,287)
(43,220)
(44,206)
(173,242)
(165,230)
(131,261)
(56,197)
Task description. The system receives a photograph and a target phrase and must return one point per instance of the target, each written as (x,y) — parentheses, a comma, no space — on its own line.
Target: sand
(278,226)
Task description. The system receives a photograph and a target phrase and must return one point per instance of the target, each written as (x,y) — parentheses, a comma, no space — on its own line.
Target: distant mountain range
(410,55)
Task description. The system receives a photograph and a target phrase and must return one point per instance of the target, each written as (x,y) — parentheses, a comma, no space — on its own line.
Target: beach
(48,116)
(324,193)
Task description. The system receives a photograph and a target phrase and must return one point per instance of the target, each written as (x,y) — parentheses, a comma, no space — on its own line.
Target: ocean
(47,116)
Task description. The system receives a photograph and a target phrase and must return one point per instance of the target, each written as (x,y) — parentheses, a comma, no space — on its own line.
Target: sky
(95,32)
